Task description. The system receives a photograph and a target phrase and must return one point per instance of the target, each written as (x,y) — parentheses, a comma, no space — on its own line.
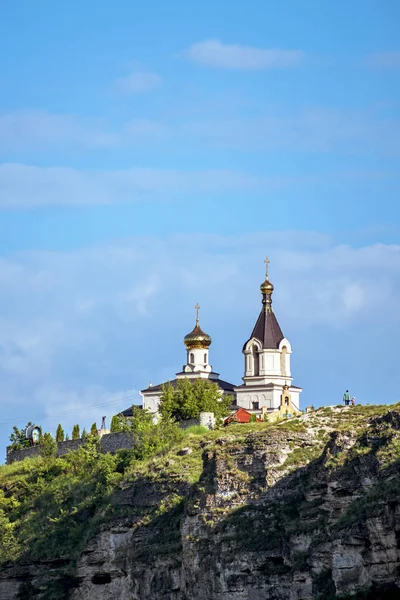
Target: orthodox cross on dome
(197,307)
(267,262)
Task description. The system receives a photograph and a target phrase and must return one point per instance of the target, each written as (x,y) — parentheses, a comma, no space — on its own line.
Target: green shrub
(116,424)
(151,438)
(47,446)
(196,430)
(189,398)
(18,439)
(60,436)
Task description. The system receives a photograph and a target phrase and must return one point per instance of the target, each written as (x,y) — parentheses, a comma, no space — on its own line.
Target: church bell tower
(267,356)
(197,344)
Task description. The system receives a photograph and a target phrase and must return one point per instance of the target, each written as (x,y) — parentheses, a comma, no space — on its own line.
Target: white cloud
(143,128)
(84,405)
(138,82)
(311,130)
(36,130)
(84,327)
(384,60)
(26,186)
(30,186)
(213,53)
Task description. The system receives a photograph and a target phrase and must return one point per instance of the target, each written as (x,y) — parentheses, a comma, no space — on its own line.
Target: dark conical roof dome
(267,329)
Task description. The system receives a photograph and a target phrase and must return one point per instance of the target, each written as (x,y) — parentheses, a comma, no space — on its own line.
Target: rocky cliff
(308,509)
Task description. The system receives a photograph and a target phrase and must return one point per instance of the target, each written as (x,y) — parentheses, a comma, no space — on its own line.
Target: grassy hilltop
(50,508)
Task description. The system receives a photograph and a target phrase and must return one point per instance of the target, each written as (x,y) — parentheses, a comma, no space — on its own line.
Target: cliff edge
(305,509)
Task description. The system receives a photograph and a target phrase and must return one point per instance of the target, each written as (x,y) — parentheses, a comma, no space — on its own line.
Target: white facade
(197,362)
(264,365)
(267,357)
(197,367)
(267,368)
(264,396)
(151,402)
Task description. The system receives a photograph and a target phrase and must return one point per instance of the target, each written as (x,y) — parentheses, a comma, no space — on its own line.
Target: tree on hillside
(150,438)
(76,432)
(8,542)
(18,439)
(47,446)
(84,434)
(60,436)
(116,424)
(93,429)
(189,398)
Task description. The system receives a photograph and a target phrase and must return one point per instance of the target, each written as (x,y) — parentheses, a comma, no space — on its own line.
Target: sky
(152,154)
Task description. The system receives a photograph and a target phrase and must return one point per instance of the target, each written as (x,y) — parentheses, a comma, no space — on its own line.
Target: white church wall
(197,360)
(247,401)
(285,344)
(271,362)
(151,403)
(276,398)
(207,419)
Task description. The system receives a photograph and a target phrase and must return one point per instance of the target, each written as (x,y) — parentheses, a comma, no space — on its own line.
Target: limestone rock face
(281,514)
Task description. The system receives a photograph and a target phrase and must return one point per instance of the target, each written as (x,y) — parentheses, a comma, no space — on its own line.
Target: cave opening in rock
(101,578)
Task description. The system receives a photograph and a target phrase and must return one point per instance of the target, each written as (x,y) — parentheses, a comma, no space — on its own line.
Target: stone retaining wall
(109,442)
(205,419)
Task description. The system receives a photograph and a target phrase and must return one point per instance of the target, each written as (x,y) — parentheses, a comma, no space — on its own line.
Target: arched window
(256,367)
(192,358)
(205,358)
(283,361)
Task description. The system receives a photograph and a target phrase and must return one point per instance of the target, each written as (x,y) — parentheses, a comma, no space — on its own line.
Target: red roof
(241,416)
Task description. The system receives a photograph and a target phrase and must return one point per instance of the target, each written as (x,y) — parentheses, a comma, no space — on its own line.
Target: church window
(256,405)
(256,367)
(286,401)
(205,359)
(283,361)
(192,358)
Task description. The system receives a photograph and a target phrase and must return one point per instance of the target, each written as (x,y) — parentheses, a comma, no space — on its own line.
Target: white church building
(267,382)
(267,376)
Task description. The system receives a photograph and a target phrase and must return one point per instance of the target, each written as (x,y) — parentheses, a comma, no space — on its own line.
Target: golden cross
(197,313)
(267,261)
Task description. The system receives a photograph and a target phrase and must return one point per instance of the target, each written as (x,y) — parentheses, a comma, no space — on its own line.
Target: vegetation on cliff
(51,507)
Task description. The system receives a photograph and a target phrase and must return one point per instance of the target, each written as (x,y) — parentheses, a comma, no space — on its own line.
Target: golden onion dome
(197,338)
(266,287)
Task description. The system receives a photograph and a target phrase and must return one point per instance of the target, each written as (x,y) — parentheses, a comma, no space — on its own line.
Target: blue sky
(152,154)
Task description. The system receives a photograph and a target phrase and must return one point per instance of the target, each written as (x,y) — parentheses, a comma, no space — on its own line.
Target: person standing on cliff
(353,401)
(346,398)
